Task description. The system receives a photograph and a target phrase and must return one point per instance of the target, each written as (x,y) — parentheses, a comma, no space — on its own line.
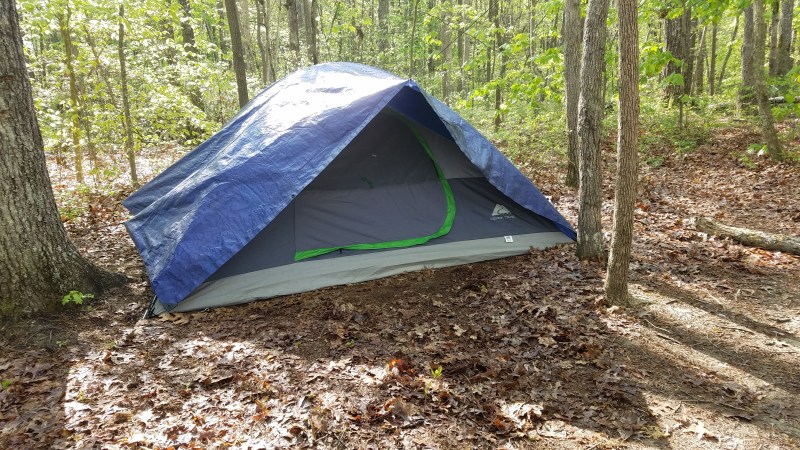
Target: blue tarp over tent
(205,208)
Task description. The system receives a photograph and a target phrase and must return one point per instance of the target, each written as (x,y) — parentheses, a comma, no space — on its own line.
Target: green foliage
(181,94)
(437,372)
(75,297)
(5,384)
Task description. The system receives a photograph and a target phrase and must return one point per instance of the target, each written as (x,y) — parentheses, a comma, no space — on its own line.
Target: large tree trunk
(74,113)
(126,108)
(38,264)
(590,118)
(752,238)
(764,108)
(616,284)
(784,58)
(748,68)
(238,52)
(773,36)
(572,67)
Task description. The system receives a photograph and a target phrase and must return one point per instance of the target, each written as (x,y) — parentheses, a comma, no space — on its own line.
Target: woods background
(501,64)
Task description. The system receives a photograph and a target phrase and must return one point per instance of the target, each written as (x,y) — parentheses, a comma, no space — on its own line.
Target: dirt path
(517,353)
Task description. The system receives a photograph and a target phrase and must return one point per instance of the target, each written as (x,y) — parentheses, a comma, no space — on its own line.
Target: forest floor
(515,353)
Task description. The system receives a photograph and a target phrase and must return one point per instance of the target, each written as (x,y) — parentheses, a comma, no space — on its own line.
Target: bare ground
(515,353)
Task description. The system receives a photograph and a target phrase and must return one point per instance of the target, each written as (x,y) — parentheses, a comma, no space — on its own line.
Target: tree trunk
(223,44)
(247,36)
(266,63)
(590,118)
(784,59)
(238,52)
(187,32)
(294,30)
(699,68)
(460,47)
(616,284)
(773,36)
(311,30)
(572,63)
(676,32)
(690,36)
(712,61)
(74,112)
(764,108)
(748,68)
(126,108)
(498,90)
(383,25)
(751,238)
(728,53)
(491,49)
(411,44)
(38,264)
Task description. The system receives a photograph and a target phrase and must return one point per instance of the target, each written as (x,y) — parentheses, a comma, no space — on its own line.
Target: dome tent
(336,174)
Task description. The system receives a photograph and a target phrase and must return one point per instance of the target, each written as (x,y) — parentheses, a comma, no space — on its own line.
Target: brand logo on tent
(501,212)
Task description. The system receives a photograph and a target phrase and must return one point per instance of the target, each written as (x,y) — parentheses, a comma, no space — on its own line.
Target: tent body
(336,174)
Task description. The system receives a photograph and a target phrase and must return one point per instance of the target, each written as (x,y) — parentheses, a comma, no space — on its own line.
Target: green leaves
(75,297)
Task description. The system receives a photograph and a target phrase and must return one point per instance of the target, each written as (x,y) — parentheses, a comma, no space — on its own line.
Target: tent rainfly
(336,174)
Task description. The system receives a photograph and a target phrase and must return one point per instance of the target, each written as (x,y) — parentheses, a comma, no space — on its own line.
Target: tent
(336,174)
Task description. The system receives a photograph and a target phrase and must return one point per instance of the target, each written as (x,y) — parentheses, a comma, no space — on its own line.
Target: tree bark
(498,90)
(699,67)
(712,60)
(590,118)
(294,30)
(773,36)
(238,52)
(126,108)
(38,264)
(460,46)
(266,59)
(748,68)
(572,68)
(383,25)
(311,31)
(784,58)
(749,237)
(676,36)
(764,108)
(616,284)
(243,11)
(411,44)
(74,112)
